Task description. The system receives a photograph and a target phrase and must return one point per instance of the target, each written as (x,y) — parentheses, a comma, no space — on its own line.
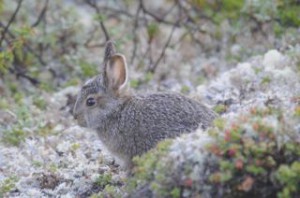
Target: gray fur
(130,124)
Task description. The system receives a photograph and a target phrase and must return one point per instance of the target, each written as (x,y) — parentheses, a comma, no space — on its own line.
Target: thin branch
(10,21)
(157,18)
(107,38)
(32,80)
(42,15)
(162,54)
(116,11)
(135,40)
(27,47)
(94,5)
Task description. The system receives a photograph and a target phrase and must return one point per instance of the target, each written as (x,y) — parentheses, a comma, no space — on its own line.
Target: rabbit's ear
(116,72)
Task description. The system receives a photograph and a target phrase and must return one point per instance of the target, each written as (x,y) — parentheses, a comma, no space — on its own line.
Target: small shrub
(220,108)
(103,180)
(7,185)
(14,136)
(257,159)
(40,102)
(88,69)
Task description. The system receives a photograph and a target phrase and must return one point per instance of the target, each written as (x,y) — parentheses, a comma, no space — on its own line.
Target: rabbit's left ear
(116,72)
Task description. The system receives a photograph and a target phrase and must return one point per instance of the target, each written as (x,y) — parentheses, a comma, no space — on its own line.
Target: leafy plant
(251,153)
(7,185)
(103,180)
(13,136)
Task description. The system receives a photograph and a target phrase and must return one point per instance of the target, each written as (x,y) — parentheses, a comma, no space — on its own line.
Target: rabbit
(130,124)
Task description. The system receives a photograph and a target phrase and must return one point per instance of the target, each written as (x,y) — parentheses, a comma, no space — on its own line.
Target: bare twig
(107,38)
(91,36)
(10,21)
(162,54)
(157,18)
(94,5)
(135,39)
(31,79)
(42,15)
(27,47)
(116,11)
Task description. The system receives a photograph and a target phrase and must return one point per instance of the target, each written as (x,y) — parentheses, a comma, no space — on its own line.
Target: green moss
(7,185)
(103,180)
(88,69)
(220,123)
(175,193)
(6,58)
(53,168)
(13,136)
(266,80)
(289,15)
(47,86)
(45,130)
(148,77)
(134,83)
(220,108)
(75,146)
(147,164)
(297,111)
(110,191)
(108,186)
(72,82)
(257,70)
(23,114)
(4,103)
(18,97)
(37,163)
(185,89)
(278,29)
(40,102)
(232,8)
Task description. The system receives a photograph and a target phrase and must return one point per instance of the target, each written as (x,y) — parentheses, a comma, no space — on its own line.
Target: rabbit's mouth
(81,122)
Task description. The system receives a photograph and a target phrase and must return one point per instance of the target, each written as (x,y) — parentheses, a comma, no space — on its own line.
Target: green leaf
(256,170)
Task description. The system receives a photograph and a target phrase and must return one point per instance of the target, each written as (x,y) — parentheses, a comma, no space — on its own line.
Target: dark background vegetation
(52,44)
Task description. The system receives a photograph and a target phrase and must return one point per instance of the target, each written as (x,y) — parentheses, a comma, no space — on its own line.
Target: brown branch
(27,47)
(94,5)
(135,40)
(116,11)
(42,15)
(162,54)
(157,18)
(10,21)
(32,80)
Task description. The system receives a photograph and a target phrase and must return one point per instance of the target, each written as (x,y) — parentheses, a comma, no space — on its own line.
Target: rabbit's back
(169,113)
(145,120)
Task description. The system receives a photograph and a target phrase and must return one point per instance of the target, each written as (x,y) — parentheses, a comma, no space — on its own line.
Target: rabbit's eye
(90,102)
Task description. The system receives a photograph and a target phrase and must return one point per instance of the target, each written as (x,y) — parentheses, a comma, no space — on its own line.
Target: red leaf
(239,164)
(188,182)
(227,136)
(231,152)
(247,184)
